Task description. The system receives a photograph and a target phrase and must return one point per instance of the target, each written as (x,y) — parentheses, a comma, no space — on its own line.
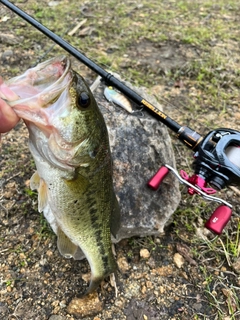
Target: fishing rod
(187,135)
(217,155)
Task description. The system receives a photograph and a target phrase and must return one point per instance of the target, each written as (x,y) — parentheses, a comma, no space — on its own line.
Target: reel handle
(220,216)
(156,180)
(219,219)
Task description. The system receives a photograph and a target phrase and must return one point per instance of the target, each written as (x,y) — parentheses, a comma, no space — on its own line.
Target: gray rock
(7,54)
(7,38)
(56,317)
(3,309)
(140,145)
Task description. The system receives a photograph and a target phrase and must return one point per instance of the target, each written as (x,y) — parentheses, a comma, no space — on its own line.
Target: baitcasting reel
(217,162)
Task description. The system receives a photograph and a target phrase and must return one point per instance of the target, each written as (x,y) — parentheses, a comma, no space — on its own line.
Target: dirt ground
(187,273)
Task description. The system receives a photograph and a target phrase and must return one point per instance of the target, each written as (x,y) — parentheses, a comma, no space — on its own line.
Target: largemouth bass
(69,142)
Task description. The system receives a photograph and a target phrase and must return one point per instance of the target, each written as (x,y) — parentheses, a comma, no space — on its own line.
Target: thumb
(8,118)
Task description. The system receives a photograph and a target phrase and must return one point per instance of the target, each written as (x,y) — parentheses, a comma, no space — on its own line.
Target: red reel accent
(197,181)
(156,180)
(219,219)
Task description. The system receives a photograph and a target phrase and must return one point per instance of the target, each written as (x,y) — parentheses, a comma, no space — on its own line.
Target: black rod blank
(188,136)
(107,77)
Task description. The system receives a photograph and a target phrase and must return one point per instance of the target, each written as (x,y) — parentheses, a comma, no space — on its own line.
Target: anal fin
(79,255)
(67,248)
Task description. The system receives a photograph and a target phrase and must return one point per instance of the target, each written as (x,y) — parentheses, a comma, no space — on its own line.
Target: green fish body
(69,142)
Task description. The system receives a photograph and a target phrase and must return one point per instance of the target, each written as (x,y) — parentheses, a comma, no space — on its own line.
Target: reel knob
(156,180)
(219,219)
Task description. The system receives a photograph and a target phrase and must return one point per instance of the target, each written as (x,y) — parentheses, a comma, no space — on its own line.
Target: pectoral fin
(78,182)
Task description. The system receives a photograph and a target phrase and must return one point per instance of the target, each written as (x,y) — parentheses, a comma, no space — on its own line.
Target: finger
(6,93)
(8,118)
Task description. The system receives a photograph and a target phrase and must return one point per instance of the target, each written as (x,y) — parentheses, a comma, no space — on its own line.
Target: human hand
(8,118)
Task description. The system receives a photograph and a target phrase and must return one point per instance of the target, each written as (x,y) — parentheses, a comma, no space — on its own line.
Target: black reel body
(218,158)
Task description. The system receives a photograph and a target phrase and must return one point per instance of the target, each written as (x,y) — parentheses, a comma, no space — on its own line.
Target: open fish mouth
(37,89)
(46,79)
(38,96)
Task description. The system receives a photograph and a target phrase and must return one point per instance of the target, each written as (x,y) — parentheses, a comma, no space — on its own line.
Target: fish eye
(83,100)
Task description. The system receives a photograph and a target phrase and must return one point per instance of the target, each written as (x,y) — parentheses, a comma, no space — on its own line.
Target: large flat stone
(140,144)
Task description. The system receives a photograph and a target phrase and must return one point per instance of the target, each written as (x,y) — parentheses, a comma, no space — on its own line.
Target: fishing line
(47,52)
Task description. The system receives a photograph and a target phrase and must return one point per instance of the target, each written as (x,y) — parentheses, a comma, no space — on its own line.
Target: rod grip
(156,180)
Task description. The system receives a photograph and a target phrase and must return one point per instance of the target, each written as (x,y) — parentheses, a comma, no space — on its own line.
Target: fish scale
(69,142)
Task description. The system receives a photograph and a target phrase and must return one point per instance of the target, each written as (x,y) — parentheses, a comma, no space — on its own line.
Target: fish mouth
(39,96)
(32,93)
